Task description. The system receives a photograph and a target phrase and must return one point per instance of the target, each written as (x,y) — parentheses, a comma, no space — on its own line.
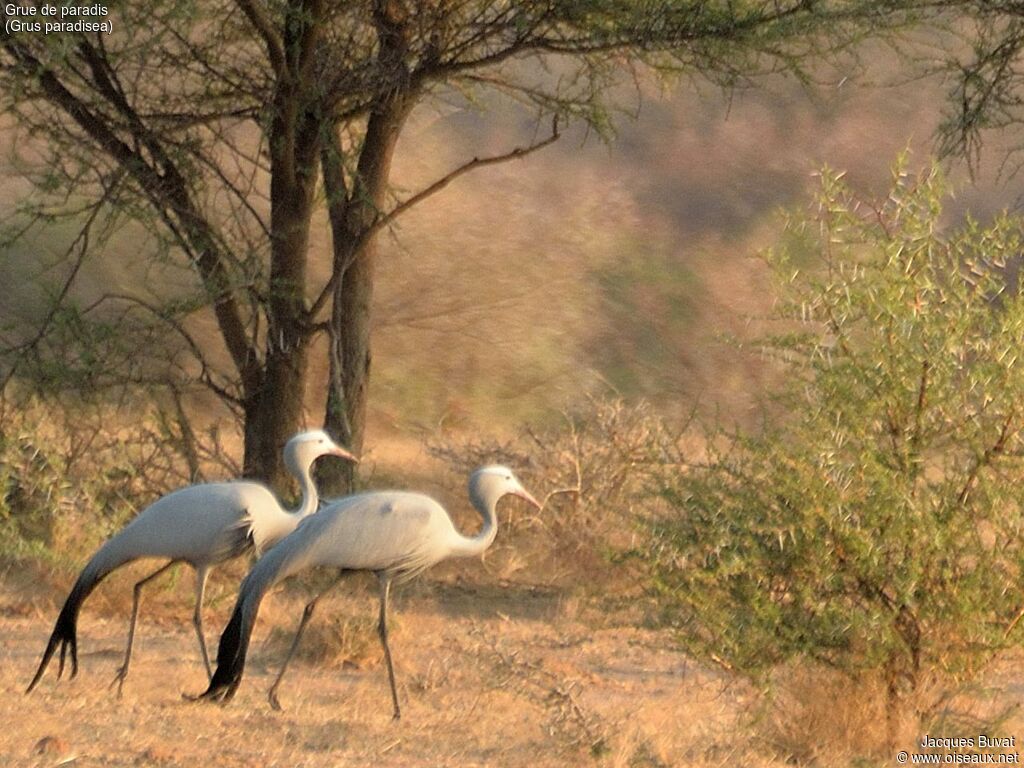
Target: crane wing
(382,531)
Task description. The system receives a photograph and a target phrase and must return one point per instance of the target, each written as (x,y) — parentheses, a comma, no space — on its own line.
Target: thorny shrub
(876,530)
(70,474)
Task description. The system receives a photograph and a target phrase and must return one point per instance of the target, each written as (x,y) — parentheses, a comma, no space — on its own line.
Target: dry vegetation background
(504,301)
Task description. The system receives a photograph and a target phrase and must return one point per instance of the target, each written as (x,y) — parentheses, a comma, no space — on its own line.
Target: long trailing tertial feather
(277,564)
(65,631)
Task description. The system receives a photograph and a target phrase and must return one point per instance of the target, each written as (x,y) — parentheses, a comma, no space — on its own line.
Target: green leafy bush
(875,529)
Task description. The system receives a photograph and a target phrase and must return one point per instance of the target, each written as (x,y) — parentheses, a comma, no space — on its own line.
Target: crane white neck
(310,499)
(484,495)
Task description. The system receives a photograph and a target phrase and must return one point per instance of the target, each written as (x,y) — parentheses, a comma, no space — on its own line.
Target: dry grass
(495,665)
(488,677)
(343,634)
(820,717)
(513,683)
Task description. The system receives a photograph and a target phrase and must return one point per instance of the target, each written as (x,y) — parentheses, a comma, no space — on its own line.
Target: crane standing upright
(202,525)
(393,534)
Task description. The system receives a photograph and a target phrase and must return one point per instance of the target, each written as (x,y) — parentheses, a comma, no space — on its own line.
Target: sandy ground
(487,676)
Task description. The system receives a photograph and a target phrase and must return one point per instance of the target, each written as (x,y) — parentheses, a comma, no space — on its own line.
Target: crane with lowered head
(393,534)
(202,525)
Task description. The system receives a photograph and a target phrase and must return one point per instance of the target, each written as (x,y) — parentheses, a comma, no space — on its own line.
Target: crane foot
(218,697)
(275,704)
(118,680)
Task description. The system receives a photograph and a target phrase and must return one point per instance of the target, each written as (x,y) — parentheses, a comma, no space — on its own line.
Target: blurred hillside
(626,264)
(585,265)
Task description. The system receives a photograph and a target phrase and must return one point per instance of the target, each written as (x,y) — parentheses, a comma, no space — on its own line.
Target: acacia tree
(985,68)
(221,128)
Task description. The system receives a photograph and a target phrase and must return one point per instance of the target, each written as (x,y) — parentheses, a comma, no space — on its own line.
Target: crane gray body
(393,534)
(202,525)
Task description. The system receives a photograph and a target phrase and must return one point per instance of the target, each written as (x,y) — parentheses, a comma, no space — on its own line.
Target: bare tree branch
(266,30)
(389,218)
(81,241)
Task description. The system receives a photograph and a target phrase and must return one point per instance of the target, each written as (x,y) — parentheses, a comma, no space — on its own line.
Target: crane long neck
(310,498)
(485,504)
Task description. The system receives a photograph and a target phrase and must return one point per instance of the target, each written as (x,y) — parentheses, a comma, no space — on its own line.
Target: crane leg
(197,618)
(122,673)
(307,614)
(382,631)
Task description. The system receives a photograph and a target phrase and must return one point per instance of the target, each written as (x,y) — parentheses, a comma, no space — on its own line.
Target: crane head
(502,482)
(306,447)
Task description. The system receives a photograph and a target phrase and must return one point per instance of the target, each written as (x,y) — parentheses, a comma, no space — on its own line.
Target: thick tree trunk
(350,360)
(277,408)
(274,416)
(354,236)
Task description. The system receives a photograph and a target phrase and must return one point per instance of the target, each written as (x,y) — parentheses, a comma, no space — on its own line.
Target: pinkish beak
(525,494)
(339,451)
